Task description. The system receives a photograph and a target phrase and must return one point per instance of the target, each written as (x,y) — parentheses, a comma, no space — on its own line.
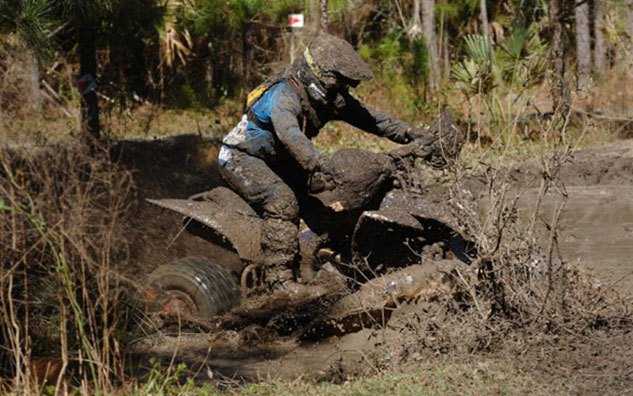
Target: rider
(268,156)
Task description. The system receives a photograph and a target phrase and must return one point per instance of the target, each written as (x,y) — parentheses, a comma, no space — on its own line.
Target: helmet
(329,56)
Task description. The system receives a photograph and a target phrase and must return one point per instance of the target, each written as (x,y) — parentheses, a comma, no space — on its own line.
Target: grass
(442,376)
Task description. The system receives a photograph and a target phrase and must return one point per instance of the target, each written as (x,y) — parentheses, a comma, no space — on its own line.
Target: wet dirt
(596,233)
(596,224)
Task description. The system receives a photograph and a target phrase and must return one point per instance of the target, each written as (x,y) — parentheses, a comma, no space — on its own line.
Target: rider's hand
(325,177)
(417,133)
(329,169)
(319,182)
(444,141)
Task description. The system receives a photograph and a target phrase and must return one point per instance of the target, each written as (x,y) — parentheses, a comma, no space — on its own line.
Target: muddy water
(596,228)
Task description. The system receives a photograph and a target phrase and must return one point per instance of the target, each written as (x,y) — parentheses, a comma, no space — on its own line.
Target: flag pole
(292,45)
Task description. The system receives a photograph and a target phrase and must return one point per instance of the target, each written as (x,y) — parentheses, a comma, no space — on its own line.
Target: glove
(444,141)
(326,166)
(325,176)
(417,133)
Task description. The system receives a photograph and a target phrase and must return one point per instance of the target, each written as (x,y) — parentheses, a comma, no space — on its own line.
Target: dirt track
(596,233)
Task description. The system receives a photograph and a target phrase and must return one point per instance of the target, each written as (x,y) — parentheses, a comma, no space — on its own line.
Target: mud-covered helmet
(330,57)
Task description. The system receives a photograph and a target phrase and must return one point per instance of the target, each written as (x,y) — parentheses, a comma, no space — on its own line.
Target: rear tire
(195,286)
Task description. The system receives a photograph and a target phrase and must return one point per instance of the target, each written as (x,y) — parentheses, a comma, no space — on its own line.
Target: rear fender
(223,213)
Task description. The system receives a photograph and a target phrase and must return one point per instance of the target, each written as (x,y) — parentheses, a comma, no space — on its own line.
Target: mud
(596,233)
(359,185)
(596,225)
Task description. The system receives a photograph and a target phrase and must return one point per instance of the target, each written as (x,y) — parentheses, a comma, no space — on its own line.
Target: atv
(367,240)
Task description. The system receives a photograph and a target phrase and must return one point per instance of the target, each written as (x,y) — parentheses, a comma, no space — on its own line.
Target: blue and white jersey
(258,138)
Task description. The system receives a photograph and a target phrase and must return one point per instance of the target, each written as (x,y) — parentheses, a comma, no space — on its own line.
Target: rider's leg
(275,201)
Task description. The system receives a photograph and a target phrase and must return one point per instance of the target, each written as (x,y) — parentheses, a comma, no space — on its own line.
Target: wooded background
(197,53)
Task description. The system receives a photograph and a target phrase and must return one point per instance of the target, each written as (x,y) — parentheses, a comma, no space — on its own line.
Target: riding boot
(280,246)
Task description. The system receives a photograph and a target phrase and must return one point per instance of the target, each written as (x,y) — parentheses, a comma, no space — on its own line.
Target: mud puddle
(596,229)
(251,357)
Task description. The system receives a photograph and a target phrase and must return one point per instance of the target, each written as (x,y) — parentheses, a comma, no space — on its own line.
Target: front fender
(395,235)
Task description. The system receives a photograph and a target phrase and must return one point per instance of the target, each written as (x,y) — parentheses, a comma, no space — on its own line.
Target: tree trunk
(247,62)
(324,15)
(628,15)
(600,47)
(483,13)
(561,96)
(416,24)
(430,38)
(583,44)
(87,85)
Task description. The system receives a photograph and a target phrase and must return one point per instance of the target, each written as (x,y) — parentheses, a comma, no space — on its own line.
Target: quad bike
(363,237)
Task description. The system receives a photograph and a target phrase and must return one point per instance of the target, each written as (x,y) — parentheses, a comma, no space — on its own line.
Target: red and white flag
(295,20)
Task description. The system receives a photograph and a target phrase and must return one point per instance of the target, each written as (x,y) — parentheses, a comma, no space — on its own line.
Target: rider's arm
(355,113)
(285,119)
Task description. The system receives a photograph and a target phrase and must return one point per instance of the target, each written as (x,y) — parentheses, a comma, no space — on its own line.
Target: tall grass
(62,307)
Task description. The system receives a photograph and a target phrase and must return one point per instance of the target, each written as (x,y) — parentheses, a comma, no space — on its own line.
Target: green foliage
(187,98)
(517,62)
(402,63)
(3,206)
(523,56)
(475,72)
(31,20)
(88,11)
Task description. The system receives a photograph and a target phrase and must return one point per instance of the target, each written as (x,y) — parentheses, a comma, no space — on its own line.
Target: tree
(416,24)
(561,95)
(628,21)
(84,17)
(483,9)
(324,15)
(428,32)
(583,44)
(600,48)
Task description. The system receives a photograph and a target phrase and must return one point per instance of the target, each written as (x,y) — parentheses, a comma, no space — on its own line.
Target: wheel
(195,286)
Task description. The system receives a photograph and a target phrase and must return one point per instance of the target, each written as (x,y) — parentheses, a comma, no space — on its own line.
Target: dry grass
(62,226)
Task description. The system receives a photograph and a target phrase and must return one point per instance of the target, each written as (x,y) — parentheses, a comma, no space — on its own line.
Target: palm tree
(29,19)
